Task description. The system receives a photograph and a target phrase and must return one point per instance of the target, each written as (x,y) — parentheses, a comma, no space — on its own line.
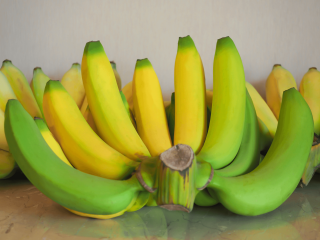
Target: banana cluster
(101,150)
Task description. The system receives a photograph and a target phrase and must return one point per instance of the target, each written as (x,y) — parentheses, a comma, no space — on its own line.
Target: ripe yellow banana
(190,96)
(6,92)
(86,113)
(228,106)
(38,84)
(149,110)
(106,105)
(7,165)
(72,82)
(78,141)
(3,141)
(21,88)
(310,90)
(116,74)
(279,80)
(127,91)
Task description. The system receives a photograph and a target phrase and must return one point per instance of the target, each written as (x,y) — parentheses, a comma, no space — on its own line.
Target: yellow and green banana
(106,105)
(190,96)
(116,74)
(149,110)
(228,106)
(78,141)
(6,92)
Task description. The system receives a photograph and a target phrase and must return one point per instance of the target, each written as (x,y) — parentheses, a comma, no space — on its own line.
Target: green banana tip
(53,84)
(93,47)
(276,65)
(113,65)
(75,64)
(313,68)
(143,63)
(6,62)
(223,43)
(185,43)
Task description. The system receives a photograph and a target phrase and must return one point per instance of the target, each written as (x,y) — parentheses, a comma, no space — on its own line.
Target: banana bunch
(101,151)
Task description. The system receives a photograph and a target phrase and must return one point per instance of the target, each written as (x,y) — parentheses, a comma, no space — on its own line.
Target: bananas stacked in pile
(96,151)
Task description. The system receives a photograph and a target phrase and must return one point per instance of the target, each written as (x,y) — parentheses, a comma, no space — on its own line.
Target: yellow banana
(310,90)
(78,140)
(209,95)
(38,84)
(86,113)
(6,91)
(21,88)
(279,80)
(106,105)
(7,165)
(190,96)
(228,106)
(3,140)
(149,110)
(127,91)
(72,82)
(116,74)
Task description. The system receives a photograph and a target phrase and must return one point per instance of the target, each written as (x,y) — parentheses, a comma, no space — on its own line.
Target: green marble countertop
(25,213)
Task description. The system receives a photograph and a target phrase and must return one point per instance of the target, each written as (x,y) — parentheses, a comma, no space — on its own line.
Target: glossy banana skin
(6,92)
(67,186)
(78,141)
(228,106)
(273,181)
(106,106)
(72,82)
(190,96)
(248,156)
(310,90)
(149,110)
(279,80)
(21,88)
(38,84)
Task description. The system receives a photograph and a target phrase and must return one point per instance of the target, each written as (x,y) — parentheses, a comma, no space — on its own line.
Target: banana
(209,95)
(50,140)
(21,88)
(170,113)
(72,82)
(248,156)
(190,96)
(3,141)
(279,80)
(7,164)
(78,140)
(265,136)
(6,92)
(71,188)
(166,103)
(273,181)
(38,84)
(116,74)
(126,105)
(228,106)
(127,91)
(204,199)
(86,113)
(106,105)
(310,90)
(263,111)
(149,110)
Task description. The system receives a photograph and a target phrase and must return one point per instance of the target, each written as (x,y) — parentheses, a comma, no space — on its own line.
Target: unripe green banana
(273,181)
(204,199)
(67,186)
(228,106)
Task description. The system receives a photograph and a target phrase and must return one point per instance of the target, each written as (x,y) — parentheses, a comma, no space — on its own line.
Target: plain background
(52,34)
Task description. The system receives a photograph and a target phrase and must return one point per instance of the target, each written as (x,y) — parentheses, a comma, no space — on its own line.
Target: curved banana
(272,182)
(7,165)
(116,74)
(149,110)
(126,105)
(127,91)
(78,141)
(6,92)
(263,111)
(72,82)
(228,106)
(248,156)
(310,90)
(21,88)
(3,141)
(204,199)
(50,140)
(73,189)
(279,80)
(190,96)
(265,136)
(106,105)
(38,85)
(86,113)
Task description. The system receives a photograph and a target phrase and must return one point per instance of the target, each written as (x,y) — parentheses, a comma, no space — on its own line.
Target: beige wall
(52,34)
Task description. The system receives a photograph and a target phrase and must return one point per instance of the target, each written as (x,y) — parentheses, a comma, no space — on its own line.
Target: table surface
(25,213)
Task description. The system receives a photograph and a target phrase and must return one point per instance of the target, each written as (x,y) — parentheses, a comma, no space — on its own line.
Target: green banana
(170,113)
(204,199)
(67,186)
(273,181)
(248,156)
